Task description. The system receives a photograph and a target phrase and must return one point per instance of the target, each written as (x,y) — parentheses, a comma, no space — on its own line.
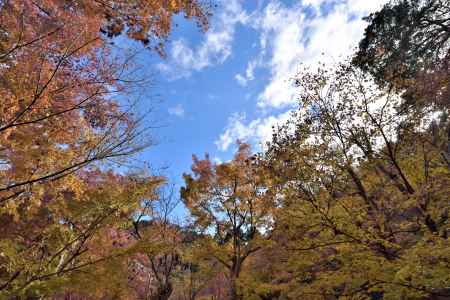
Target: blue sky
(234,81)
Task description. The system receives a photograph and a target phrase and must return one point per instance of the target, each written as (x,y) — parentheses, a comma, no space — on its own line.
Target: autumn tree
(403,38)
(363,189)
(406,46)
(229,203)
(99,267)
(153,269)
(66,117)
(360,175)
(362,167)
(200,275)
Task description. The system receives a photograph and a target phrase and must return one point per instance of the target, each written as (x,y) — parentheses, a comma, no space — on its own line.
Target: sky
(235,81)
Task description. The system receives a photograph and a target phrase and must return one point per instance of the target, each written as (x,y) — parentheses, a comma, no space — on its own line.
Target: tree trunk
(163,292)
(234,275)
(233,290)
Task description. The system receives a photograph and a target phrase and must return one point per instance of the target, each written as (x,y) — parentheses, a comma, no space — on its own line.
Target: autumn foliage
(349,200)
(357,180)
(67,118)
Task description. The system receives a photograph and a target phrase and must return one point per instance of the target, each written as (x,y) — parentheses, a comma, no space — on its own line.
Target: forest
(349,200)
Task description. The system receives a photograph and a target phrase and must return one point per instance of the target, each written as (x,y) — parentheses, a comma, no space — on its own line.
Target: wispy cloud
(292,35)
(307,33)
(258,131)
(177,110)
(214,49)
(241,80)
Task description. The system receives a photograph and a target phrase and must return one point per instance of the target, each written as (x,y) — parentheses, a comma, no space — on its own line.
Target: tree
(200,275)
(229,201)
(67,117)
(363,193)
(153,269)
(143,21)
(60,253)
(404,38)
(406,47)
(61,88)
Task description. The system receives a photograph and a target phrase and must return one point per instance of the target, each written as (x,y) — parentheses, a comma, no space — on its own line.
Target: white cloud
(363,6)
(316,3)
(177,110)
(290,37)
(258,131)
(249,72)
(214,49)
(241,79)
(182,54)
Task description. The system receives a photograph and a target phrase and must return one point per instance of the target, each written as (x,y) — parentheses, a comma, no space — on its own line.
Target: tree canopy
(67,120)
(404,38)
(348,200)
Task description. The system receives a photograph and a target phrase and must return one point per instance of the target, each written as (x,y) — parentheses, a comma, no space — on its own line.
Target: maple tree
(154,270)
(199,276)
(66,117)
(349,200)
(362,170)
(228,201)
(360,195)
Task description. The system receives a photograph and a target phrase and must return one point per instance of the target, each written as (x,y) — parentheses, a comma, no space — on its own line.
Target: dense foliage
(358,180)
(66,121)
(349,200)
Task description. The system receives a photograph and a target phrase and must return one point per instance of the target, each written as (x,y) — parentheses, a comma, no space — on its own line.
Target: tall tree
(404,38)
(363,193)
(406,47)
(153,270)
(229,202)
(66,117)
